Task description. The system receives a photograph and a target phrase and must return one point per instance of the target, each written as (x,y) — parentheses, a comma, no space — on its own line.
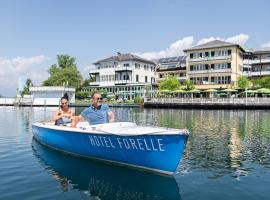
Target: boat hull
(155,152)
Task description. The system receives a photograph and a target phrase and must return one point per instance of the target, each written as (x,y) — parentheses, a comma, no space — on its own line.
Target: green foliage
(189,84)
(263,82)
(65,72)
(28,84)
(243,82)
(170,83)
(82,95)
(138,100)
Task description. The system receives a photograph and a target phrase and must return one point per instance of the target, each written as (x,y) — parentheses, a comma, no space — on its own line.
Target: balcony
(210,71)
(94,71)
(94,83)
(258,73)
(122,82)
(210,58)
(122,68)
(260,61)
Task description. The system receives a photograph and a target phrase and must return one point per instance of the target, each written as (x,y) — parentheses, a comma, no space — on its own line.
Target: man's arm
(111,116)
(76,120)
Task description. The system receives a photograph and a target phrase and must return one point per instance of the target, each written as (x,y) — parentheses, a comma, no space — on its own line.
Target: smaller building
(172,66)
(257,64)
(50,95)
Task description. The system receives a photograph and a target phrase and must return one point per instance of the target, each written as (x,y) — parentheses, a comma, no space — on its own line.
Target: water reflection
(105,181)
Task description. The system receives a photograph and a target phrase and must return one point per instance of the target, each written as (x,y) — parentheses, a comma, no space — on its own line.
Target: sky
(34,32)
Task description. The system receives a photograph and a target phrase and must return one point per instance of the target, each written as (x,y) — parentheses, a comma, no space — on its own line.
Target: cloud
(240,39)
(176,48)
(265,45)
(34,68)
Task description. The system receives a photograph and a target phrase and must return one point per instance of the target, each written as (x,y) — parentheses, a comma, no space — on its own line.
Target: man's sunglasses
(99,99)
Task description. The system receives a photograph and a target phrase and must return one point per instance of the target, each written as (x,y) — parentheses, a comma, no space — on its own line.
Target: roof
(181,59)
(171,63)
(213,44)
(124,57)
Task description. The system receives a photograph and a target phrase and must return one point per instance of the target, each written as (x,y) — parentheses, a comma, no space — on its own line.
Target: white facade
(50,95)
(124,74)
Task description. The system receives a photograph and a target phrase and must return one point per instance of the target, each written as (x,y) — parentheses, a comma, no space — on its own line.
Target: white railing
(94,83)
(210,71)
(210,58)
(247,101)
(122,81)
(122,68)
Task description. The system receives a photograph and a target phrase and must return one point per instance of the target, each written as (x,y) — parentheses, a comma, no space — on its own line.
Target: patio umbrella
(194,91)
(249,91)
(179,91)
(263,90)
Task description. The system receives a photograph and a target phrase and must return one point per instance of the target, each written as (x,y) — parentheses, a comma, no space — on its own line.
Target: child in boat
(63,115)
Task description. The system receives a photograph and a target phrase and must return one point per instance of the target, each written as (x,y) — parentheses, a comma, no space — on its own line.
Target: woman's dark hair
(64,97)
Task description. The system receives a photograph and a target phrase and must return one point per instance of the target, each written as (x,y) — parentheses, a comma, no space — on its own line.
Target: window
(137,78)
(126,65)
(191,55)
(145,79)
(206,54)
(229,52)
(212,53)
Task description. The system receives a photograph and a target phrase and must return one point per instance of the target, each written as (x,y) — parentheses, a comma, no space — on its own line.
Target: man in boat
(63,115)
(97,113)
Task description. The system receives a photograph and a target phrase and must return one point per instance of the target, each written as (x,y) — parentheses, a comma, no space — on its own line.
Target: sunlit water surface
(227,157)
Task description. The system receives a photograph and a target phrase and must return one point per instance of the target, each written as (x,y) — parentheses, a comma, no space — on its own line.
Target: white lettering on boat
(141,144)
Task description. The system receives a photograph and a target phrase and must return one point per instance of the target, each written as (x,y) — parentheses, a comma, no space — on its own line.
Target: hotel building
(124,75)
(174,66)
(257,64)
(215,64)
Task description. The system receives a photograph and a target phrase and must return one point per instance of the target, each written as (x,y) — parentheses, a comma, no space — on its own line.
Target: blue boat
(151,148)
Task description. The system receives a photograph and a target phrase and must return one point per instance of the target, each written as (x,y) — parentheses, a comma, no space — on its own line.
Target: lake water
(227,157)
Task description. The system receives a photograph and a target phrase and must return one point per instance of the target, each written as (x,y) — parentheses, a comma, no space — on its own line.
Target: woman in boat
(63,115)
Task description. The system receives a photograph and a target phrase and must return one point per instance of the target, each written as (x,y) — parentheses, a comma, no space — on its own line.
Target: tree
(189,84)
(65,72)
(243,82)
(28,84)
(169,83)
(264,82)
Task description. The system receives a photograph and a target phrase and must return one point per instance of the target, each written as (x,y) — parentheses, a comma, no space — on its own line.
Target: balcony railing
(94,71)
(94,83)
(210,58)
(122,68)
(122,81)
(260,61)
(210,71)
(258,73)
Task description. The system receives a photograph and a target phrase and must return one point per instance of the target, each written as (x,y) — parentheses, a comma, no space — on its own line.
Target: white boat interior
(116,128)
